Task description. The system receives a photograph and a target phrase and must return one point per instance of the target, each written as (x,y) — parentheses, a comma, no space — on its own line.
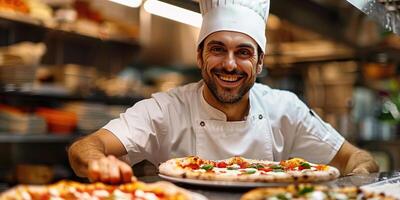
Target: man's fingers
(126,172)
(93,171)
(104,170)
(114,171)
(109,170)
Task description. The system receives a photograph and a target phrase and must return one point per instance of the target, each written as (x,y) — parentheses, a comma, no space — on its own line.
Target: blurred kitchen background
(69,66)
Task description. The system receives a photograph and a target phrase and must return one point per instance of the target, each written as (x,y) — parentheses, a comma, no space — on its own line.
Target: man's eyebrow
(246,45)
(242,45)
(216,42)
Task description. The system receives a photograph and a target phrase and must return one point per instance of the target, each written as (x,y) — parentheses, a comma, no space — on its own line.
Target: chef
(223,115)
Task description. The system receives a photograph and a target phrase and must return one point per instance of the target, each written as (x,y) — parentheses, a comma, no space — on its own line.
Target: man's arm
(352,160)
(93,157)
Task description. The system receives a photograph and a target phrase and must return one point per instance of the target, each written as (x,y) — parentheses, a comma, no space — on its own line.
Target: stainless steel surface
(386,12)
(47,138)
(389,187)
(222,193)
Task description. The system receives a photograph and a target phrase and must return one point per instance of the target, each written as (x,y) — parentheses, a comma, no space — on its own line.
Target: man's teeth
(229,78)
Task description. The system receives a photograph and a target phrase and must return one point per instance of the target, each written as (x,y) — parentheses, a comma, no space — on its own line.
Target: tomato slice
(265,169)
(222,164)
(290,166)
(243,165)
(193,166)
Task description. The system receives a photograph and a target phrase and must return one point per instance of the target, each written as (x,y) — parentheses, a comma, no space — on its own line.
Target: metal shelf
(96,98)
(7,18)
(47,138)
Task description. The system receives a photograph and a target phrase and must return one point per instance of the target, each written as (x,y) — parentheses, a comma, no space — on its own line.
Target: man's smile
(229,80)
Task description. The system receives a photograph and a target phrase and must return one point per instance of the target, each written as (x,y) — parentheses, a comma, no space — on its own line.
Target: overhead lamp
(129,3)
(172,12)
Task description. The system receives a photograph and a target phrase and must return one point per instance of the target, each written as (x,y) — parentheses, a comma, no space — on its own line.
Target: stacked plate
(18,64)
(21,123)
(91,116)
(17,75)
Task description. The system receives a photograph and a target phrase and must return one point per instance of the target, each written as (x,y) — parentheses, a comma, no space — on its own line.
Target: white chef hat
(244,16)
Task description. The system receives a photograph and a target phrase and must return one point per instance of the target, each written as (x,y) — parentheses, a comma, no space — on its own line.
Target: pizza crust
(171,168)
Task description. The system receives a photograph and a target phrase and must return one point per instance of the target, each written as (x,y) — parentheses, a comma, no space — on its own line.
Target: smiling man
(224,115)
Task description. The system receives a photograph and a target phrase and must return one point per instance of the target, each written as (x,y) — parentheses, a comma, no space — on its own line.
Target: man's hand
(351,160)
(109,170)
(360,162)
(88,158)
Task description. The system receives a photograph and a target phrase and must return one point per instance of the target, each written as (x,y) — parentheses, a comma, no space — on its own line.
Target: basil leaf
(256,166)
(305,190)
(250,171)
(207,167)
(305,165)
(277,170)
(233,168)
(276,167)
(282,197)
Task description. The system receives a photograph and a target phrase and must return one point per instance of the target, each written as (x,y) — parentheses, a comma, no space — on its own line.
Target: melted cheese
(101,193)
(119,195)
(316,195)
(338,196)
(225,171)
(230,172)
(145,195)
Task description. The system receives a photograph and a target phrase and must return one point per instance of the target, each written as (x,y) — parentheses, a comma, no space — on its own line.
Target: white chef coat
(180,123)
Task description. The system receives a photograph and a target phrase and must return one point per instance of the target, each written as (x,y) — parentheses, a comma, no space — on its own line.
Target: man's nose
(230,62)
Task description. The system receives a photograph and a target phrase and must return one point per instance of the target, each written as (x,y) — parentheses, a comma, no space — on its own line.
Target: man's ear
(260,63)
(200,58)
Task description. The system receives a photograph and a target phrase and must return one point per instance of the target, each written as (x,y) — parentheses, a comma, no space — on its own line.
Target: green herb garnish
(207,167)
(276,167)
(233,167)
(305,165)
(249,171)
(256,166)
(278,170)
(305,190)
(282,197)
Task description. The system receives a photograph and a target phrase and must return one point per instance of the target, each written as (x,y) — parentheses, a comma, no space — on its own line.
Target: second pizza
(248,170)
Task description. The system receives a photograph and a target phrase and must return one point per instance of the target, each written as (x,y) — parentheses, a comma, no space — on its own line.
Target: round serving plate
(224,184)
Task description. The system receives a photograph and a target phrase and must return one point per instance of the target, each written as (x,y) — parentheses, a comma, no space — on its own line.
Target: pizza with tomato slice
(74,190)
(313,192)
(248,170)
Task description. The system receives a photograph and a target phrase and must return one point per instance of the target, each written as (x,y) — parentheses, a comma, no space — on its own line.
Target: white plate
(236,184)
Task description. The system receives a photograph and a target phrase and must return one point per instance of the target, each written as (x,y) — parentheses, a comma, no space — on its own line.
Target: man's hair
(200,48)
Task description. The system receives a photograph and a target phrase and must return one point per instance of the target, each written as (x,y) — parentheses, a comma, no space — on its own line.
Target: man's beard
(226,95)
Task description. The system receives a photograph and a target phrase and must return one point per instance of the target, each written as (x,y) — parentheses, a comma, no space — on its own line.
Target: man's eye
(244,52)
(217,49)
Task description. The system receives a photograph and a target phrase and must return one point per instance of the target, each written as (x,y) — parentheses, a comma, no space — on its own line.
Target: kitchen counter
(234,193)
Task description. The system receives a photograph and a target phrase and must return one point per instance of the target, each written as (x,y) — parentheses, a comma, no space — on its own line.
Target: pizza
(313,192)
(74,190)
(248,170)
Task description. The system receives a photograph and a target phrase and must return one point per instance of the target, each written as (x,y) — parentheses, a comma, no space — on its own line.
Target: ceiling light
(173,12)
(129,3)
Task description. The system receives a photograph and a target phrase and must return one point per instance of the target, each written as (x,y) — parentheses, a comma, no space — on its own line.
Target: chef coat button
(202,123)
(260,116)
